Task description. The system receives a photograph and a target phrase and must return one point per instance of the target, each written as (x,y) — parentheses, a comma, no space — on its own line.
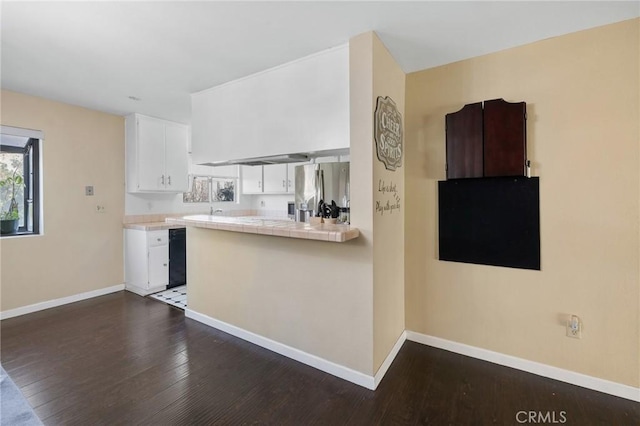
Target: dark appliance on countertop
(291,210)
(177,257)
(326,182)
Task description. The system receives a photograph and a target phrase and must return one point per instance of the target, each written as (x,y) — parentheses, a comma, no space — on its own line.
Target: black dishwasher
(177,257)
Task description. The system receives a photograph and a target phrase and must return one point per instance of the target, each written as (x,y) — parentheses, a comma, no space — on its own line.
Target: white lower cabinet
(146,255)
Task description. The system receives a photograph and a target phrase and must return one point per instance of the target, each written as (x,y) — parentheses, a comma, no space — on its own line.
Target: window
(212,184)
(223,189)
(200,191)
(20,181)
(206,189)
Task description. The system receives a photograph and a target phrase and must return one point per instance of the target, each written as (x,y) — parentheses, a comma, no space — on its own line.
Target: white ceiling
(97,54)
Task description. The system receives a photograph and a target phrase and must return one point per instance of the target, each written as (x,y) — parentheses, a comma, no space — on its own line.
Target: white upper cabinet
(270,179)
(275,179)
(156,155)
(176,165)
(302,106)
(252,179)
(291,177)
(149,150)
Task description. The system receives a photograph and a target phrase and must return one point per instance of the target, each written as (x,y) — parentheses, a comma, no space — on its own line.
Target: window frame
(192,179)
(210,179)
(32,176)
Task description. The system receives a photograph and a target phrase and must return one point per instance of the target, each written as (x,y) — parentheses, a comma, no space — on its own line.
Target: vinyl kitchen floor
(176,296)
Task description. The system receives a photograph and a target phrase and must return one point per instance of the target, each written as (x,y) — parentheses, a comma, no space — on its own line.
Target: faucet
(213,212)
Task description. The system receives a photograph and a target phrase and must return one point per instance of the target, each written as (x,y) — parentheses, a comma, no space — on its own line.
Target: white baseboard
(389,359)
(332,368)
(59,302)
(578,379)
(142,291)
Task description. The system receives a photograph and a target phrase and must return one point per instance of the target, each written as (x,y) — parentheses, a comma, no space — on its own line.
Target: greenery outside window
(20,179)
(223,189)
(200,190)
(206,189)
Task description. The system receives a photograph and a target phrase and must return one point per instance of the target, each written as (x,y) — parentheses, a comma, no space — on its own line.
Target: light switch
(88,190)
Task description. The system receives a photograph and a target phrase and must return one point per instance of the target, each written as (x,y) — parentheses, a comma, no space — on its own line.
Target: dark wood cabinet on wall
(487,139)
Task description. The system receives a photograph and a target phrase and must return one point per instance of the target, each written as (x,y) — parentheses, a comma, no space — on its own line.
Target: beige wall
(361,156)
(583,139)
(80,250)
(388,225)
(310,295)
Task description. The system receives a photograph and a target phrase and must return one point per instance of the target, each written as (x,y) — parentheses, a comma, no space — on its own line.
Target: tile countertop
(152,226)
(273,227)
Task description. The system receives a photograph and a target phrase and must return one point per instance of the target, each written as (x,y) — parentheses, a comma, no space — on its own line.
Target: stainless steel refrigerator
(325,182)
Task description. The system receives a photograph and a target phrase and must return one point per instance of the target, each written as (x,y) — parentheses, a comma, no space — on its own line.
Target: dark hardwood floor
(124,359)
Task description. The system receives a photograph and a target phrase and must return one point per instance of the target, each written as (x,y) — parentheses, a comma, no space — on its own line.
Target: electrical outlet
(574,327)
(88,190)
(100,209)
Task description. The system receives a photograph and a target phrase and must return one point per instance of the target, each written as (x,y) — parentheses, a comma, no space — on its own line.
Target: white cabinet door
(291,177)
(146,255)
(275,179)
(150,154)
(176,160)
(156,155)
(158,266)
(251,179)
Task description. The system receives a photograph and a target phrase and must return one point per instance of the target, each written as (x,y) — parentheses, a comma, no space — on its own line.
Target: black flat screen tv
(490,221)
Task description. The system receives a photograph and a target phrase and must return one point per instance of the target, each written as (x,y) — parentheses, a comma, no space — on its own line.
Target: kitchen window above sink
(206,189)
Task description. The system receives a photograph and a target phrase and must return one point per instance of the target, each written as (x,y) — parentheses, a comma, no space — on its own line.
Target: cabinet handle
(159,239)
(164,264)
(162,179)
(169,179)
(289,183)
(259,184)
(284,183)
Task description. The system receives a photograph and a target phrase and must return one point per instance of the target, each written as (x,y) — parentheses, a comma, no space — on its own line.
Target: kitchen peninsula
(280,228)
(288,286)
(283,285)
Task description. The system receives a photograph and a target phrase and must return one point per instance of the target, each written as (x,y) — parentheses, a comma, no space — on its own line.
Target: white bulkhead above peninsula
(299,107)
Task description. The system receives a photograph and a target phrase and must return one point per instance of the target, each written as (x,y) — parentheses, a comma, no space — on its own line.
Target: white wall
(272,203)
